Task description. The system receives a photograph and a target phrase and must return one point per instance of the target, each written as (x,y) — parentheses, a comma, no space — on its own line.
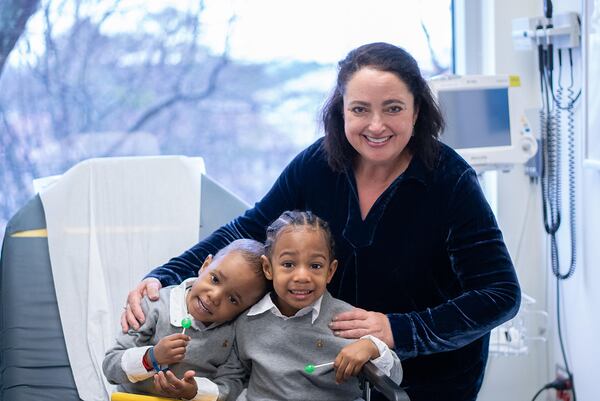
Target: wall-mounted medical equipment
(554,37)
(484,120)
(563,30)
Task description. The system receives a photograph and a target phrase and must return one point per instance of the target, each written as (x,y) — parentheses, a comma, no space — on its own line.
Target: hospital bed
(34,364)
(33,358)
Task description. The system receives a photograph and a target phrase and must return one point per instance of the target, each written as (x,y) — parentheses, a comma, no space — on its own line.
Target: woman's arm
(286,194)
(481,263)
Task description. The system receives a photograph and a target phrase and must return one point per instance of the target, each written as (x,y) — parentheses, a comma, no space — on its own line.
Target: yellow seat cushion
(137,397)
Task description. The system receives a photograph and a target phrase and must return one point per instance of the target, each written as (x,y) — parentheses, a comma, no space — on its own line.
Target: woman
(418,247)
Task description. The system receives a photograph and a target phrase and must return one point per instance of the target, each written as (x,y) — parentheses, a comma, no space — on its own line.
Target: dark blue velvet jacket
(429,254)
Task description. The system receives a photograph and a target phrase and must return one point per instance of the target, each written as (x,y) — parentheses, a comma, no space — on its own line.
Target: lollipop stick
(310,368)
(323,364)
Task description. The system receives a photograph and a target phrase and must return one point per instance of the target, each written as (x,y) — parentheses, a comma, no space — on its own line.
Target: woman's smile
(377,141)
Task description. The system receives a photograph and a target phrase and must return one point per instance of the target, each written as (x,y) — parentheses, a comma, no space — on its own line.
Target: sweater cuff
(132,365)
(385,361)
(207,390)
(404,333)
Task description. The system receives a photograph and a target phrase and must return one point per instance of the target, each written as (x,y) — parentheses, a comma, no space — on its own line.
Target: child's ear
(332,268)
(207,262)
(267,268)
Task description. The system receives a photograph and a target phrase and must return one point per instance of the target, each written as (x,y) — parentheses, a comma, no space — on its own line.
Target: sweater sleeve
(112,364)
(480,260)
(286,194)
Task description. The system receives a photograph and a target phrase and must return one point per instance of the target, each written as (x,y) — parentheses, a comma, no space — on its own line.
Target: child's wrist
(146,362)
(373,349)
(153,361)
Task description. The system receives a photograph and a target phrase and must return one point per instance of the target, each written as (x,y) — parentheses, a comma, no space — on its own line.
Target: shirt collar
(178,306)
(267,304)
(417,170)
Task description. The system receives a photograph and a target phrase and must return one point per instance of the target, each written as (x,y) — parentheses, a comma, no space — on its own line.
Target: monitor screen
(475,118)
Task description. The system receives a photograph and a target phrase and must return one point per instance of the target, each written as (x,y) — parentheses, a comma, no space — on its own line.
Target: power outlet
(563,395)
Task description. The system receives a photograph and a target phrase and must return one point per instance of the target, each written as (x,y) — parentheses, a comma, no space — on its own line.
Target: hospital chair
(34,364)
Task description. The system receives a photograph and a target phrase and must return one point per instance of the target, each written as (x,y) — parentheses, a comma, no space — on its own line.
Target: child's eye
(214,279)
(287,265)
(233,301)
(316,266)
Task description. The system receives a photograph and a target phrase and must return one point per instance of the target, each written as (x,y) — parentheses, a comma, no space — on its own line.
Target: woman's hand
(169,385)
(359,322)
(352,357)
(171,349)
(133,316)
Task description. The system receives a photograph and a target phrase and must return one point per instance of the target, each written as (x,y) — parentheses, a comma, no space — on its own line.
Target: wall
(581,301)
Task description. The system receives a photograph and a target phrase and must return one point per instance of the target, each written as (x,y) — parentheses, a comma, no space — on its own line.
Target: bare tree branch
(180,97)
(438,67)
(14,15)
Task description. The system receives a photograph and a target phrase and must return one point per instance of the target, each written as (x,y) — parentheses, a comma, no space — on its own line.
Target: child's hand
(352,357)
(171,349)
(169,385)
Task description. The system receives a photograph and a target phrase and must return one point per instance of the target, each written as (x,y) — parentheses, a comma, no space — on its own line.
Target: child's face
(300,268)
(225,288)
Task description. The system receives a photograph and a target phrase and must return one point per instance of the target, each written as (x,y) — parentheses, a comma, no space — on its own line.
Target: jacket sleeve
(284,195)
(111,365)
(480,260)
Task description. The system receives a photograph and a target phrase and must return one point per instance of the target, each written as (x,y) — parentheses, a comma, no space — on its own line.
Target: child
(226,285)
(288,328)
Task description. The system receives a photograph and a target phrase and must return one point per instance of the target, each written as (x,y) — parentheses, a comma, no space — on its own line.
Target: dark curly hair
(297,218)
(388,58)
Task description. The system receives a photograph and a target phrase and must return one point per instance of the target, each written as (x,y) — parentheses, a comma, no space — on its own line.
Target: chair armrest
(137,397)
(382,383)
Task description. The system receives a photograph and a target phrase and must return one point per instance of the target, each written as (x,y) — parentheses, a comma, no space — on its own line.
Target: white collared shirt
(384,362)
(267,304)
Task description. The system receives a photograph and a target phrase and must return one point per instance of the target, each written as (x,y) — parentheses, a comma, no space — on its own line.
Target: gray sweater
(274,352)
(207,353)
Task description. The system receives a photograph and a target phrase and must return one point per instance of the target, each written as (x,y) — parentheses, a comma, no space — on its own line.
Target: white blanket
(110,221)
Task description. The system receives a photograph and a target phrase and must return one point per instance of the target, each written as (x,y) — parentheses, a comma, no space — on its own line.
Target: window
(239,83)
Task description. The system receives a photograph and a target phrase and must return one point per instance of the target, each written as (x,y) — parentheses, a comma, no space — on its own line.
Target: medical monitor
(483,121)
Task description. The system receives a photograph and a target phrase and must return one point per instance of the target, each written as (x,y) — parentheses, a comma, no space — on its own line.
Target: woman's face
(379,116)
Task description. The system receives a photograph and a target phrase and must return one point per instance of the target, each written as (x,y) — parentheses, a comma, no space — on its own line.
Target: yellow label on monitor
(514,80)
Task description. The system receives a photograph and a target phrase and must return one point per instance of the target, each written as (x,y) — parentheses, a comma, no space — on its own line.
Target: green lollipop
(186,323)
(310,368)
